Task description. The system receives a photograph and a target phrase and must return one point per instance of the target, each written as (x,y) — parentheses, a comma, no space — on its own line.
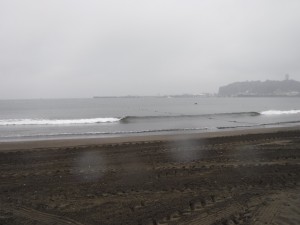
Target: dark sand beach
(238,177)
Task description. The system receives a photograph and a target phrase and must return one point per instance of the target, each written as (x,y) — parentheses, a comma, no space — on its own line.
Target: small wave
(260,125)
(281,123)
(105,133)
(16,122)
(279,112)
(235,127)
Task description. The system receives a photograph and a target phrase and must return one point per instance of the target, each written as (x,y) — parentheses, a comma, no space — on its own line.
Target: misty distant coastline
(161,96)
(268,88)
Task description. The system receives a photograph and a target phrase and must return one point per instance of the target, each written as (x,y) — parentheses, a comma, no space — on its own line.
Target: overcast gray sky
(72,48)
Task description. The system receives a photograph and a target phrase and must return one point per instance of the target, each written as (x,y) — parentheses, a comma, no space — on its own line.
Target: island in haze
(268,88)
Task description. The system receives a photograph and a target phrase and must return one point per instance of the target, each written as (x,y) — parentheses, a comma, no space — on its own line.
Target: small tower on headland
(287,77)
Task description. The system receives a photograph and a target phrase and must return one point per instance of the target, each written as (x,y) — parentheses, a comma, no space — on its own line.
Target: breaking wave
(125,119)
(15,122)
(129,119)
(280,112)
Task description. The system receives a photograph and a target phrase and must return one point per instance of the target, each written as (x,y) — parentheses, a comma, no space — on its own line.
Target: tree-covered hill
(261,88)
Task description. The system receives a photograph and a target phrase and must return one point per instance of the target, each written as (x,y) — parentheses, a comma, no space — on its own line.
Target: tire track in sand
(45,218)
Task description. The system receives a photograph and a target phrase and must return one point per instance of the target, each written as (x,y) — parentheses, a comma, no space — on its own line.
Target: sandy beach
(232,177)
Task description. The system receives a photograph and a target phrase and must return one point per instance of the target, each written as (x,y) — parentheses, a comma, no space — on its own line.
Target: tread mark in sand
(46,218)
(211,218)
(266,214)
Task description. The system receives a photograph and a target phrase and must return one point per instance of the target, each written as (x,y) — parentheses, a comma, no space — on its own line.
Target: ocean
(111,117)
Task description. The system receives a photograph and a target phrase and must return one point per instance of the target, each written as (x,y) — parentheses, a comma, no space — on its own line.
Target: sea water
(109,117)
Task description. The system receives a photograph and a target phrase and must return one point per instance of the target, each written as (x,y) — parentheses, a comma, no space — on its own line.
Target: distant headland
(268,88)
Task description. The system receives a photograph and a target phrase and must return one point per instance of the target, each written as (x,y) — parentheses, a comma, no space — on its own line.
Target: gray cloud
(85,48)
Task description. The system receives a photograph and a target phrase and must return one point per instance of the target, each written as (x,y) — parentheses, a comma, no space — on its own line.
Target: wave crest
(15,122)
(280,112)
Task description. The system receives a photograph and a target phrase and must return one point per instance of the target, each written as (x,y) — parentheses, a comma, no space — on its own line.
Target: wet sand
(240,177)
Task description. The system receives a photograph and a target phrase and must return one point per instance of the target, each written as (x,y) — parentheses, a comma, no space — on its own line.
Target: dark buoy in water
(195,103)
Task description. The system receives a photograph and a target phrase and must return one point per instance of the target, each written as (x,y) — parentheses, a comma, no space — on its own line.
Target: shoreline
(57,143)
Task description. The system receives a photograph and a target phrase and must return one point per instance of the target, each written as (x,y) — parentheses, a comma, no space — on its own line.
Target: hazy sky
(82,48)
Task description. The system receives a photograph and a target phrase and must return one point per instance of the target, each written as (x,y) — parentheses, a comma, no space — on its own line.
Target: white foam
(279,112)
(16,122)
